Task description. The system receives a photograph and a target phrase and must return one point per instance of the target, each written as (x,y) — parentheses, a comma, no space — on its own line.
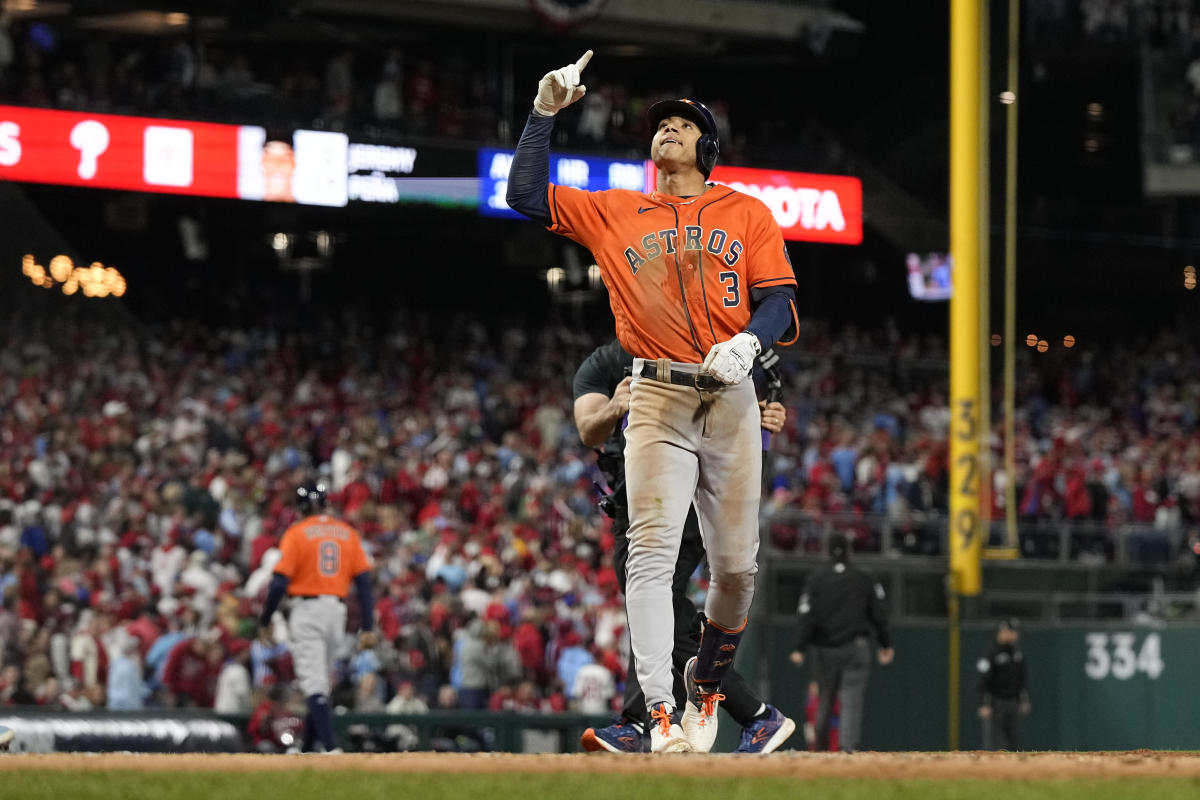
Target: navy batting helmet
(311,497)
(708,145)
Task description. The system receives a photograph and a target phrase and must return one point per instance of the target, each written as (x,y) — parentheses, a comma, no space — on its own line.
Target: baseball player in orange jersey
(700,283)
(321,555)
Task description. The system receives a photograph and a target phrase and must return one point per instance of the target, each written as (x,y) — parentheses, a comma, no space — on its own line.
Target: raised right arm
(529,174)
(530,171)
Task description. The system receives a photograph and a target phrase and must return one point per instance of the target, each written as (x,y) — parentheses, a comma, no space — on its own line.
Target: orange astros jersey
(679,271)
(321,555)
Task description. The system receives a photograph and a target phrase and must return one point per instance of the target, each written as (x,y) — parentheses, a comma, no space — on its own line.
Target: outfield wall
(1092,686)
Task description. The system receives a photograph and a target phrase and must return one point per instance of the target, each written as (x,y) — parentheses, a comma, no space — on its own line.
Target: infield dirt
(791,764)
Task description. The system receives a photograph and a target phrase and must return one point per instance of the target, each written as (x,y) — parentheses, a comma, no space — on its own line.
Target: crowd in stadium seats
(433,91)
(145,483)
(439,92)
(1105,449)
(146,478)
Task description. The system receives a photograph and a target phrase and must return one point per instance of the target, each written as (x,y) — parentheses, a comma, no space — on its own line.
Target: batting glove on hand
(561,87)
(730,361)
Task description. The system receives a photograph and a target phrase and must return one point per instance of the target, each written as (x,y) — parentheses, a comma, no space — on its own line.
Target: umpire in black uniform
(1003,694)
(840,608)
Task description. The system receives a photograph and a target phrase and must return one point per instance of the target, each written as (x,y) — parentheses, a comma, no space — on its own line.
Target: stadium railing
(915,534)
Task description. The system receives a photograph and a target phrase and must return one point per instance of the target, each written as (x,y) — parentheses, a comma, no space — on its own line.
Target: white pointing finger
(583,60)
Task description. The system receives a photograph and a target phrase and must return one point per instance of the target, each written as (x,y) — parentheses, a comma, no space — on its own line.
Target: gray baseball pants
(315,629)
(682,446)
(841,673)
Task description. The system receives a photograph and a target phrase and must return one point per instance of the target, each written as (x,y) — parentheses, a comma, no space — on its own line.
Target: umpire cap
(708,146)
(311,496)
(839,546)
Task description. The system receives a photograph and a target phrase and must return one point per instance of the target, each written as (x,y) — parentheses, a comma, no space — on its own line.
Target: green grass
(302,784)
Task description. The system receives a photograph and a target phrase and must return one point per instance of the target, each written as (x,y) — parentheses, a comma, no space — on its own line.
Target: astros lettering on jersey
(321,555)
(680,271)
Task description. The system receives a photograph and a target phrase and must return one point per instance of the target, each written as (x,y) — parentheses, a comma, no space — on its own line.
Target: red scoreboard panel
(106,151)
(116,152)
(808,207)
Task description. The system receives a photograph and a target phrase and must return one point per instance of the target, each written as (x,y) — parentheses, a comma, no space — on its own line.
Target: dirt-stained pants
(683,445)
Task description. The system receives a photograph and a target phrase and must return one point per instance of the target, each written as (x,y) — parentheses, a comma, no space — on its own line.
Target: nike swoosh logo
(644,210)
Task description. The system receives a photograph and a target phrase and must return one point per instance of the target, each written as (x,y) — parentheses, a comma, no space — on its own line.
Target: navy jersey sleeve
(529,175)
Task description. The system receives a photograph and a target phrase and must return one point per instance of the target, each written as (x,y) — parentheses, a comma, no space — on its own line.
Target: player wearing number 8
(321,555)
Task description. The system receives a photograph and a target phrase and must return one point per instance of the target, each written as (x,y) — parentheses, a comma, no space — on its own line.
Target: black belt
(705,383)
(315,596)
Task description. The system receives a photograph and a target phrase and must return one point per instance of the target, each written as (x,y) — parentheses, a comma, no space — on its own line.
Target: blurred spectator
(89,662)
(126,689)
(233,682)
(162,647)
(389,101)
(593,689)
(456,738)
(406,701)
(270,661)
(275,726)
(487,662)
(9,624)
(369,685)
(812,705)
(191,672)
(573,656)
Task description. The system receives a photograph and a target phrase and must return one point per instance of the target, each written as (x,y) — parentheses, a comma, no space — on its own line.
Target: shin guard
(718,646)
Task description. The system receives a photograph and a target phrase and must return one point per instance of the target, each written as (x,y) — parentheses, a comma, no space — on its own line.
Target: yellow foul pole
(965,208)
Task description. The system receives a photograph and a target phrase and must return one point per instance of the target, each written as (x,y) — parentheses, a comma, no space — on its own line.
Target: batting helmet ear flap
(707,148)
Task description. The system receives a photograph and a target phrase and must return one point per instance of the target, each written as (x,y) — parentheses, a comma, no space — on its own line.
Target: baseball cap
(839,545)
(694,110)
(1010,624)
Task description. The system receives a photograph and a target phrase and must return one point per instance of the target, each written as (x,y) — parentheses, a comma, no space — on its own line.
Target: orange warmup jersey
(679,271)
(321,555)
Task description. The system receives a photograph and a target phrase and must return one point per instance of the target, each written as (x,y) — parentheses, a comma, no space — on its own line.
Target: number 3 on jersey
(329,558)
(733,295)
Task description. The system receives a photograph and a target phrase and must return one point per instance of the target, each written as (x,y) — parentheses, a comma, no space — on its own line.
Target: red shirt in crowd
(191,675)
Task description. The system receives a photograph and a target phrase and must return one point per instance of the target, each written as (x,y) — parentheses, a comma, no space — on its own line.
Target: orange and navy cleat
(620,737)
(767,734)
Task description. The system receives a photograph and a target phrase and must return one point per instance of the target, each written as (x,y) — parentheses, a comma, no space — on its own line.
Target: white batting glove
(561,87)
(730,361)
